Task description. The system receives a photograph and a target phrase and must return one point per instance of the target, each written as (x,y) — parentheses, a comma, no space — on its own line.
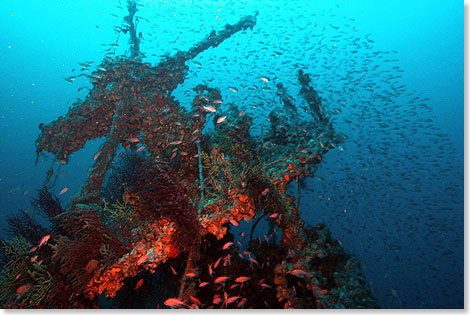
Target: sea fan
(47,203)
(22,224)
(157,193)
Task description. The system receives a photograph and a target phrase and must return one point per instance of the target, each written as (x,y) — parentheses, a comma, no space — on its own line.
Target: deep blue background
(400,184)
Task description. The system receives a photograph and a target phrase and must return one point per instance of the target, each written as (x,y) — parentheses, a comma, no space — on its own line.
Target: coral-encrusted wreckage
(155,229)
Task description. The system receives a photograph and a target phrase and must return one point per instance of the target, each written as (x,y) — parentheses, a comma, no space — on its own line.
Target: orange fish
(96,155)
(140,149)
(217,300)
(63,190)
(217,262)
(175,142)
(286,177)
(221,119)
(210,109)
(217,102)
(227,245)
(173,270)
(233,299)
(173,302)
(44,240)
(299,273)
(234,222)
(190,275)
(242,279)
(234,89)
(139,284)
(203,284)
(264,79)
(241,113)
(221,279)
(133,140)
(265,192)
(234,286)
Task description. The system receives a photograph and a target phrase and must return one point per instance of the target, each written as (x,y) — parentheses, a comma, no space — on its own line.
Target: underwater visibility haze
(231,154)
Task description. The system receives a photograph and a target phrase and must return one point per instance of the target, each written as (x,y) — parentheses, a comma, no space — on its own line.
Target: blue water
(390,72)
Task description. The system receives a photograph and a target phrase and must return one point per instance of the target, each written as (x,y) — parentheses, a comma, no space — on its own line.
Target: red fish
(175,142)
(96,155)
(190,275)
(234,89)
(203,284)
(63,190)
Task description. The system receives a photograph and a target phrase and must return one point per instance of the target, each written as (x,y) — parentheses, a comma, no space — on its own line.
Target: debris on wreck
(160,231)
